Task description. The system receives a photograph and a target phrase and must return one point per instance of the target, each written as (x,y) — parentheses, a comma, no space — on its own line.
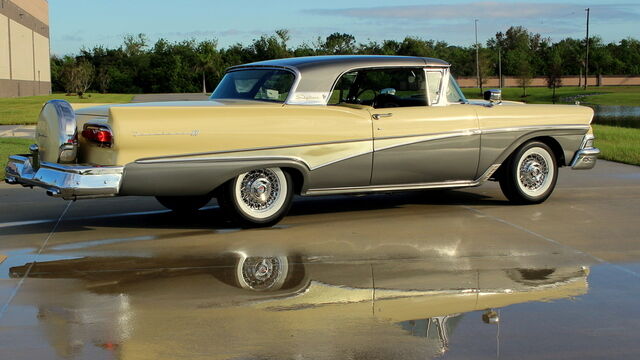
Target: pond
(623,116)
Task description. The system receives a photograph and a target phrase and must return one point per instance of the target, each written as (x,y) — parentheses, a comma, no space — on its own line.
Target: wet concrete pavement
(411,275)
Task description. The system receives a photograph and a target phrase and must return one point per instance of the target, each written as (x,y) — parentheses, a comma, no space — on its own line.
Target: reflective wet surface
(420,275)
(617,115)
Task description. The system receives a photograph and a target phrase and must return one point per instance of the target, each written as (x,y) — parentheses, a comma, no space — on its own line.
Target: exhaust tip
(53,193)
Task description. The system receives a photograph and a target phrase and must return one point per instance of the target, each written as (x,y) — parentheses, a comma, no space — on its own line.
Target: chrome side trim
(536,128)
(586,138)
(488,173)
(68,182)
(224,159)
(458,132)
(143,160)
(432,137)
(341,159)
(399,187)
(437,136)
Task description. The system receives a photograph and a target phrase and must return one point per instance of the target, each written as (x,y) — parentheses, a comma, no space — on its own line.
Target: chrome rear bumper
(69,182)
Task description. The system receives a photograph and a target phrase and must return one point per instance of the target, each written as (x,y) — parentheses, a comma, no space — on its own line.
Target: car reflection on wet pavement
(453,274)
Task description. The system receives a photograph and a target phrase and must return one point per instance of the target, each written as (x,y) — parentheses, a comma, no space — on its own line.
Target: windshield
(263,84)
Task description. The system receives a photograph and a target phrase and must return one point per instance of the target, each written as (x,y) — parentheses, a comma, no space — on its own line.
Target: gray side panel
(570,144)
(428,161)
(191,177)
(350,172)
(497,146)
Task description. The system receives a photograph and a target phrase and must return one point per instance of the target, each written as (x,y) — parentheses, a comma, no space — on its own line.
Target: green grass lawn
(12,146)
(25,110)
(611,95)
(618,143)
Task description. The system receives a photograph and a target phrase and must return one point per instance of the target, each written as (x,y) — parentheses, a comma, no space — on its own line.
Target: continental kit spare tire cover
(56,132)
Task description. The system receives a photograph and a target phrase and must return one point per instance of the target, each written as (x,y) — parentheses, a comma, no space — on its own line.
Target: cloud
(482,10)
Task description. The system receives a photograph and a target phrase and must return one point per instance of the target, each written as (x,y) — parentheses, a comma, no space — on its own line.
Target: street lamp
(586,60)
(477,57)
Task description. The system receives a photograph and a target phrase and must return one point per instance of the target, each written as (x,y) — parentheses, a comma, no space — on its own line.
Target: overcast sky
(77,23)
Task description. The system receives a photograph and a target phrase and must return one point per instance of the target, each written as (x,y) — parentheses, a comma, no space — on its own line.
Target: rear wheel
(260,197)
(530,174)
(184,204)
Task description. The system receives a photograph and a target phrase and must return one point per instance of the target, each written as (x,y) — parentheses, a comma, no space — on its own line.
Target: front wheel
(260,197)
(530,174)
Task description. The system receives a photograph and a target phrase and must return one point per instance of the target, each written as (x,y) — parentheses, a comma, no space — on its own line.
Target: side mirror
(493,95)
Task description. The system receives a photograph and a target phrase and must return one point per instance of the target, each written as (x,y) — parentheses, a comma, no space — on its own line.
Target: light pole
(477,57)
(500,67)
(586,60)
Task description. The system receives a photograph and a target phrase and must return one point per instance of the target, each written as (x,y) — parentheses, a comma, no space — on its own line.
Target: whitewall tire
(530,174)
(259,197)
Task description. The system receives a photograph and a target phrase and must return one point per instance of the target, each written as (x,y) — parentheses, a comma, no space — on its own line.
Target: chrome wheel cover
(535,171)
(261,193)
(259,189)
(262,273)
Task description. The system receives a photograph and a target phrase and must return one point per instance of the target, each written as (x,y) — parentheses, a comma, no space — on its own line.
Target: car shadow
(211,218)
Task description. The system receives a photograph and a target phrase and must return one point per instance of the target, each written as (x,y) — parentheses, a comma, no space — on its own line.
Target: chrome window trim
(444,72)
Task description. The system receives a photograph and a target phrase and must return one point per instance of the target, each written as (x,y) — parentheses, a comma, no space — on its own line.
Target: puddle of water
(623,116)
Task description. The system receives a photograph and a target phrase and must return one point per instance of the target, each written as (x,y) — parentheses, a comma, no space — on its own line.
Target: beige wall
(21,52)
(5,69)
(41,56)
(37,8)
(508,81)
(24,48)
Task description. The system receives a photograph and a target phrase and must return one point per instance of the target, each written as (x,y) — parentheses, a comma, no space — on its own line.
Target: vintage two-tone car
(307,126)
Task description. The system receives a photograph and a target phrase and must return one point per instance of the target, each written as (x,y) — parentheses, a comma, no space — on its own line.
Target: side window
(275,87)
(341,90)
(382,88)
(434,79)
(454,94)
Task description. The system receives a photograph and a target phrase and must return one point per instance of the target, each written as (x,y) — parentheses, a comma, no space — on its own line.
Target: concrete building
(25,68)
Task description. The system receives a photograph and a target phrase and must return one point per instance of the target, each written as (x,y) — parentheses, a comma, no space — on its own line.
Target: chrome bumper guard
(585,159)
(69,182)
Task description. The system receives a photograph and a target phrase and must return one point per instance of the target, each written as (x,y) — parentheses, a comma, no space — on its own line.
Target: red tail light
(100,135)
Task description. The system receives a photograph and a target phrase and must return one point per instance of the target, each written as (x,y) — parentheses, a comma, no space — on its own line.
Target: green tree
(208,60)
(518,64)
(554,72)
(339,44)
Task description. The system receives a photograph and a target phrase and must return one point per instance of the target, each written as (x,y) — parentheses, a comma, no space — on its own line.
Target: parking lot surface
(413,275)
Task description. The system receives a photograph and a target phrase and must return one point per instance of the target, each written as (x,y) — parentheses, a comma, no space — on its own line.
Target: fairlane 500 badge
(163,133)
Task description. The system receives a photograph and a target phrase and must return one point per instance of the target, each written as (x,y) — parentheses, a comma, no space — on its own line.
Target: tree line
(136,66)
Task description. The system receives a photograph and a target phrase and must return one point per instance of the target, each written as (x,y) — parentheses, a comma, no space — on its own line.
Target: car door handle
(378,116)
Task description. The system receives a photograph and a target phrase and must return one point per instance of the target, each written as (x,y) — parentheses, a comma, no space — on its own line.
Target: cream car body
(186,149)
